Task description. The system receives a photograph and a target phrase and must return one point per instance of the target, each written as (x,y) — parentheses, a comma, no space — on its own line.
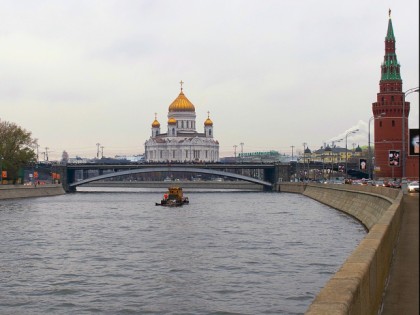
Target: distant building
(181,142)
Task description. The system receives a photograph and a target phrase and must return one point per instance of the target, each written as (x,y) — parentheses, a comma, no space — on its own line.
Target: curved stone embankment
(19,191)
(358,286)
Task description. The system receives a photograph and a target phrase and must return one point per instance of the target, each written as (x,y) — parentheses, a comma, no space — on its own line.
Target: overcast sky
(273,74)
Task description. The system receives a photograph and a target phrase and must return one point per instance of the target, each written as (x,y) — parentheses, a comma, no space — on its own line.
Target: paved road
(402,294)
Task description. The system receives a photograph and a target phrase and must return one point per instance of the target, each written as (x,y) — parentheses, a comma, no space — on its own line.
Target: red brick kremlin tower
(391,113)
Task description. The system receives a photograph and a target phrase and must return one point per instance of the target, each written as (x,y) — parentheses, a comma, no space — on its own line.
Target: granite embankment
(23,191)
(358,286)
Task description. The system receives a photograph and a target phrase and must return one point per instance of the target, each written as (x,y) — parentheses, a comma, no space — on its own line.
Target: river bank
(29,191)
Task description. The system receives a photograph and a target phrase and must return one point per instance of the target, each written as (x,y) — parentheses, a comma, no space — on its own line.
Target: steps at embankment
(21,191)
(358,286)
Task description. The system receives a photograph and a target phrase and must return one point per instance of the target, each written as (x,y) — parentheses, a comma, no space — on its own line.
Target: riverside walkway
(402,294)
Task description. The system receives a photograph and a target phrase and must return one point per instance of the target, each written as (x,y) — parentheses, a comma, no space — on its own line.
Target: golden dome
(155,123)
(208,122)
(171,121)
(181,104)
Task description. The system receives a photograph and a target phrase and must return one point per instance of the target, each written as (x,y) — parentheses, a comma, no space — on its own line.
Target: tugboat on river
(173,198)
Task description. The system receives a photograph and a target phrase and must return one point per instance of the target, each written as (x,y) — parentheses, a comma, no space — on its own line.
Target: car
(379,183)
(413,186)
(395,184)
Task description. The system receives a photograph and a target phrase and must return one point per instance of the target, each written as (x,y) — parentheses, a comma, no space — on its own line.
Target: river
(227,252)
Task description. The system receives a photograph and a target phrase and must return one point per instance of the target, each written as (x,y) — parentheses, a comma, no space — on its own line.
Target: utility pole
(235,146)
(102,151)
(292,146)
(46,153)
(97,150)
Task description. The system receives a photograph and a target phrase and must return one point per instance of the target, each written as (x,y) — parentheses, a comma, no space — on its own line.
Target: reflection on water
(115,253)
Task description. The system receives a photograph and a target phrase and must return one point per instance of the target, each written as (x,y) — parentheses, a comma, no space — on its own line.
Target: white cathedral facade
(181,142)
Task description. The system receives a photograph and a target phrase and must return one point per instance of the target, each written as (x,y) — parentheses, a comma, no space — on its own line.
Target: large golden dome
(181,104)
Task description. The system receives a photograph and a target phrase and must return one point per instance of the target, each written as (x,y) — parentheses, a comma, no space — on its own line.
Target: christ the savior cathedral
(181,142)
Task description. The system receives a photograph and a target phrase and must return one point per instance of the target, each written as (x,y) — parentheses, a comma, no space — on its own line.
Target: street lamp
(348,133)
(333,145)
(403,127)
(370,152)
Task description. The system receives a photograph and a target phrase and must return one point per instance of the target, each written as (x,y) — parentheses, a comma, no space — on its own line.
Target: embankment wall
(20,191)
(358,286)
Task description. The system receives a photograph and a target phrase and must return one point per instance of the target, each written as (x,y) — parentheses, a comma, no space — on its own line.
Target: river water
(117,253)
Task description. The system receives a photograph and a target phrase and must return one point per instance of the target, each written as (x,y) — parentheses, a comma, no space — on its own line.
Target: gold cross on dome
(181,84)
(208,114)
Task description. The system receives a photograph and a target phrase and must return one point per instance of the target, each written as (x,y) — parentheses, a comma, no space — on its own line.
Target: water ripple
(116,253)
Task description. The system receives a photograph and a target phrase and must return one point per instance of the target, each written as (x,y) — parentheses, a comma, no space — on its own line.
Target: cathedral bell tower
(391,114)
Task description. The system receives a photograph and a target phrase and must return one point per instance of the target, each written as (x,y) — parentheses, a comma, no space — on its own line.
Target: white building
(181,142)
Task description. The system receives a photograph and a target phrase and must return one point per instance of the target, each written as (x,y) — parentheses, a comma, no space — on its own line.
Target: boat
(173,198)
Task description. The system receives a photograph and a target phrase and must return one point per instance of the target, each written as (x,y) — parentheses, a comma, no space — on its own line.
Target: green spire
(390,66)
(390,32)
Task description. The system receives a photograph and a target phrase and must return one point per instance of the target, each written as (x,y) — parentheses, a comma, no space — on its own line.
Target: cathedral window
(173,131)
(182,124)
(209,132)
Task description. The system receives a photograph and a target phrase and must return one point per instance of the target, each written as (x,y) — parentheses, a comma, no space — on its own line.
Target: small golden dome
(155,123)
(208,122)
(171,121)
(181,104)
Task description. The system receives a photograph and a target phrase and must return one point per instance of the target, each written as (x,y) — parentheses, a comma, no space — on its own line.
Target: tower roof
(390,32)
(390,68)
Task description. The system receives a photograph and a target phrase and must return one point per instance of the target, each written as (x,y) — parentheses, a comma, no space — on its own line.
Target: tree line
(16,150)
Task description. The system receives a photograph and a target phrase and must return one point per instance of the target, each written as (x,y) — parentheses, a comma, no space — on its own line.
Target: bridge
(261,174)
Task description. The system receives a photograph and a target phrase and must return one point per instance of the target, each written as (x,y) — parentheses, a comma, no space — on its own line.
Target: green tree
(16,148)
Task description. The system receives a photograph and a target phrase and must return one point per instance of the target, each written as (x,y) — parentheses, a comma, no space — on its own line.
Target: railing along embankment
(358,286)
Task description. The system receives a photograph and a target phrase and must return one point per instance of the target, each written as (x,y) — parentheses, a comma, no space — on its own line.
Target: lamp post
(369,150)
(403,127)
(332,152)
(347,134)
(304,153)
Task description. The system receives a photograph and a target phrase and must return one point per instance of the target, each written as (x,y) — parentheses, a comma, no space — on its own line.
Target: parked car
(413,186)
(395,184)
(379,183)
